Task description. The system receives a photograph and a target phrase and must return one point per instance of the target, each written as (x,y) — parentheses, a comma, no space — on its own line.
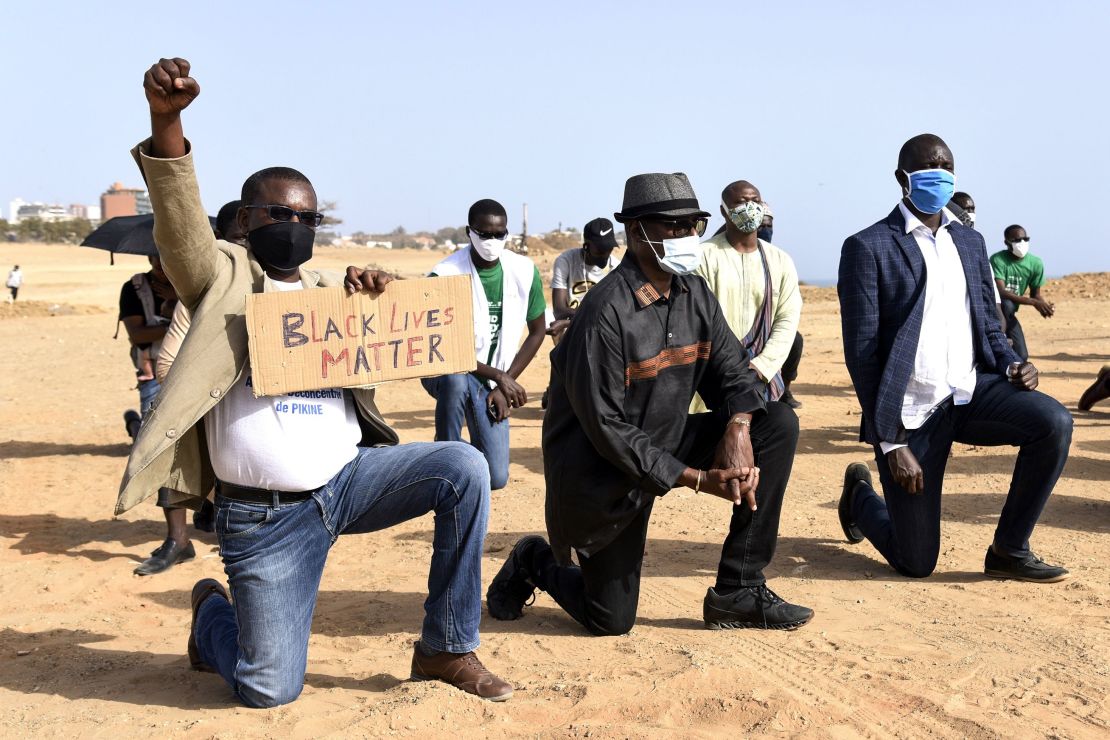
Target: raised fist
(168,86)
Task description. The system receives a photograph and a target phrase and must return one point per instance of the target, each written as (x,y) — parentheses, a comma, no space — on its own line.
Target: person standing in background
(1015,271)
(15,279)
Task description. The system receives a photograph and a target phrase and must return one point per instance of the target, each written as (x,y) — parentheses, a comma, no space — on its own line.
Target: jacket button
(215,393)
(171,433)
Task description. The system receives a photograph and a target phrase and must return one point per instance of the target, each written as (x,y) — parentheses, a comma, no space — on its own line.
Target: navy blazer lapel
(908,244)
(969,259)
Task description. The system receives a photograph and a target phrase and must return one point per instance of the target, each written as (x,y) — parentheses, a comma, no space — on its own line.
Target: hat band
(660,206)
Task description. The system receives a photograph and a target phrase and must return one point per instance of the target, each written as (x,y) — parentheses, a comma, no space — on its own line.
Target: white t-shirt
(294,442)
(571,273)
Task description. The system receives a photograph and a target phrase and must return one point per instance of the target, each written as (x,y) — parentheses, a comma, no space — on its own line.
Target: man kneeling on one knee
(617,435)
(286,487)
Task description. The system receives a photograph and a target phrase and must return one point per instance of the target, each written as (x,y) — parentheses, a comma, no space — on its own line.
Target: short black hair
(226,216)
(1010,228)
(962,198)
(253,184)
(737,186)
(910,152)
(486,207)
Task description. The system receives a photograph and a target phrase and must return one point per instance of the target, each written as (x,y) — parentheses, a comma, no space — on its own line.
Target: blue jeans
(274,556)
(148,391)
(905,529)
(464,398)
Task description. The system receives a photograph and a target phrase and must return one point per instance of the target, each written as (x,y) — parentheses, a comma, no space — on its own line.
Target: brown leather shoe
(204,588)
(461,671)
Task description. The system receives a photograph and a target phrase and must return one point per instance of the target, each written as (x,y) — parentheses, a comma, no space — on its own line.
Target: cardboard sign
(302,340)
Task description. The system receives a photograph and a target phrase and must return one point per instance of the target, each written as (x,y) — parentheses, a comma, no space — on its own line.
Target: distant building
(120,201)
(21,210)
(90,213)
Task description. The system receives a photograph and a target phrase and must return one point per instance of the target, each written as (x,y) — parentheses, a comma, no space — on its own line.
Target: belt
(249,495)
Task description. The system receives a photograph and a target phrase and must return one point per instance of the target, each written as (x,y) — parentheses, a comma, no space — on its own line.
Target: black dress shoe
(165,557)
(1029,568)
(131,422)
(511,588)
(752,607)
(855,473)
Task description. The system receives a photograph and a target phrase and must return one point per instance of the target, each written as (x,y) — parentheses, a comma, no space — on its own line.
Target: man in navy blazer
(931,366)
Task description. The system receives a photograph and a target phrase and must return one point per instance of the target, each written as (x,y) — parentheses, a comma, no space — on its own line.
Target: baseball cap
(599,232)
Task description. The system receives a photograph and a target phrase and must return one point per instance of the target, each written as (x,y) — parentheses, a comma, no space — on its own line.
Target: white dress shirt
(945,362)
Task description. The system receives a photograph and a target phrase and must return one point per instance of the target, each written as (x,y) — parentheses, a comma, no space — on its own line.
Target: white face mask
(1019,249)
(487,249)
(680,256)
(971,217)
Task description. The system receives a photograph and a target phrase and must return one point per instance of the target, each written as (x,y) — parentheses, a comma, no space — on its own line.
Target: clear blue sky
(406,113)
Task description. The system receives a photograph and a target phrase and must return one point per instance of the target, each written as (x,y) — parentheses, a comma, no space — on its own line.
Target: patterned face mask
(746,216)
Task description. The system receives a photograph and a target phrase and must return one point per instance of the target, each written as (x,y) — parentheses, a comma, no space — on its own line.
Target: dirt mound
(37,309)
(1094,285)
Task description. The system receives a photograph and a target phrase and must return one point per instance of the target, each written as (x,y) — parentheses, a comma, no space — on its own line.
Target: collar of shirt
(913,222)
(642,289)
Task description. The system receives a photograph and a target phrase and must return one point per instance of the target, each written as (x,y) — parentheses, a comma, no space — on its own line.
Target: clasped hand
(734,476)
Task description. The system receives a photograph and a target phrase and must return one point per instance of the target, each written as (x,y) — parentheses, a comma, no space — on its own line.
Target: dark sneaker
(788,398)
(204,588)
(1030,568)
(511,588)
(165,557)
(755,607)
(855,473)
(463,671)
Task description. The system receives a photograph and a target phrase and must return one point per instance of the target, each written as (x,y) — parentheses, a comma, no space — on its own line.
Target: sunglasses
(1022,239)
(490,234)
(681,226)
(285,213)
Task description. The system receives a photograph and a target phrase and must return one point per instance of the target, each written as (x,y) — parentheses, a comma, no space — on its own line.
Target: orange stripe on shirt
(670,357)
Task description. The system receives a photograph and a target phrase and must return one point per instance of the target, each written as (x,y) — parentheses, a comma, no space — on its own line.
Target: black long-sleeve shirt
(621,384)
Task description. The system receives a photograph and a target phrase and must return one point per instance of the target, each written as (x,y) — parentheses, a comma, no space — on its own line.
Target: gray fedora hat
(659,194)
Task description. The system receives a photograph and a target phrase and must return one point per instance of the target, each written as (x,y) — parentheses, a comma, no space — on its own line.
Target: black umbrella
(127,235)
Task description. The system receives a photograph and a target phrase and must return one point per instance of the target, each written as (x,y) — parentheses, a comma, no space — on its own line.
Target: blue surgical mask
(930,190)
(680,256)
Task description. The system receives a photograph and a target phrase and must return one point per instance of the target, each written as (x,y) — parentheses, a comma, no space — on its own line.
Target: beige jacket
(212,279)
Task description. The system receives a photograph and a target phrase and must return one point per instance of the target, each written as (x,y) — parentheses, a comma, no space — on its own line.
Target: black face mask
(589,259)
(764,233)
(282,246)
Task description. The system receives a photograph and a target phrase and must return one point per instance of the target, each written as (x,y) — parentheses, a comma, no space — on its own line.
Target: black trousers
(790,366)
(1013,329)
(602,592)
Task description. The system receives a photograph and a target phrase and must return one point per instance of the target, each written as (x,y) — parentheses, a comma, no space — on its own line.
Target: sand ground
(87,648)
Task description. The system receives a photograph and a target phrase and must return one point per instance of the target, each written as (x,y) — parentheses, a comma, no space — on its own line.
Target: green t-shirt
(1018,274)
(493,284)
